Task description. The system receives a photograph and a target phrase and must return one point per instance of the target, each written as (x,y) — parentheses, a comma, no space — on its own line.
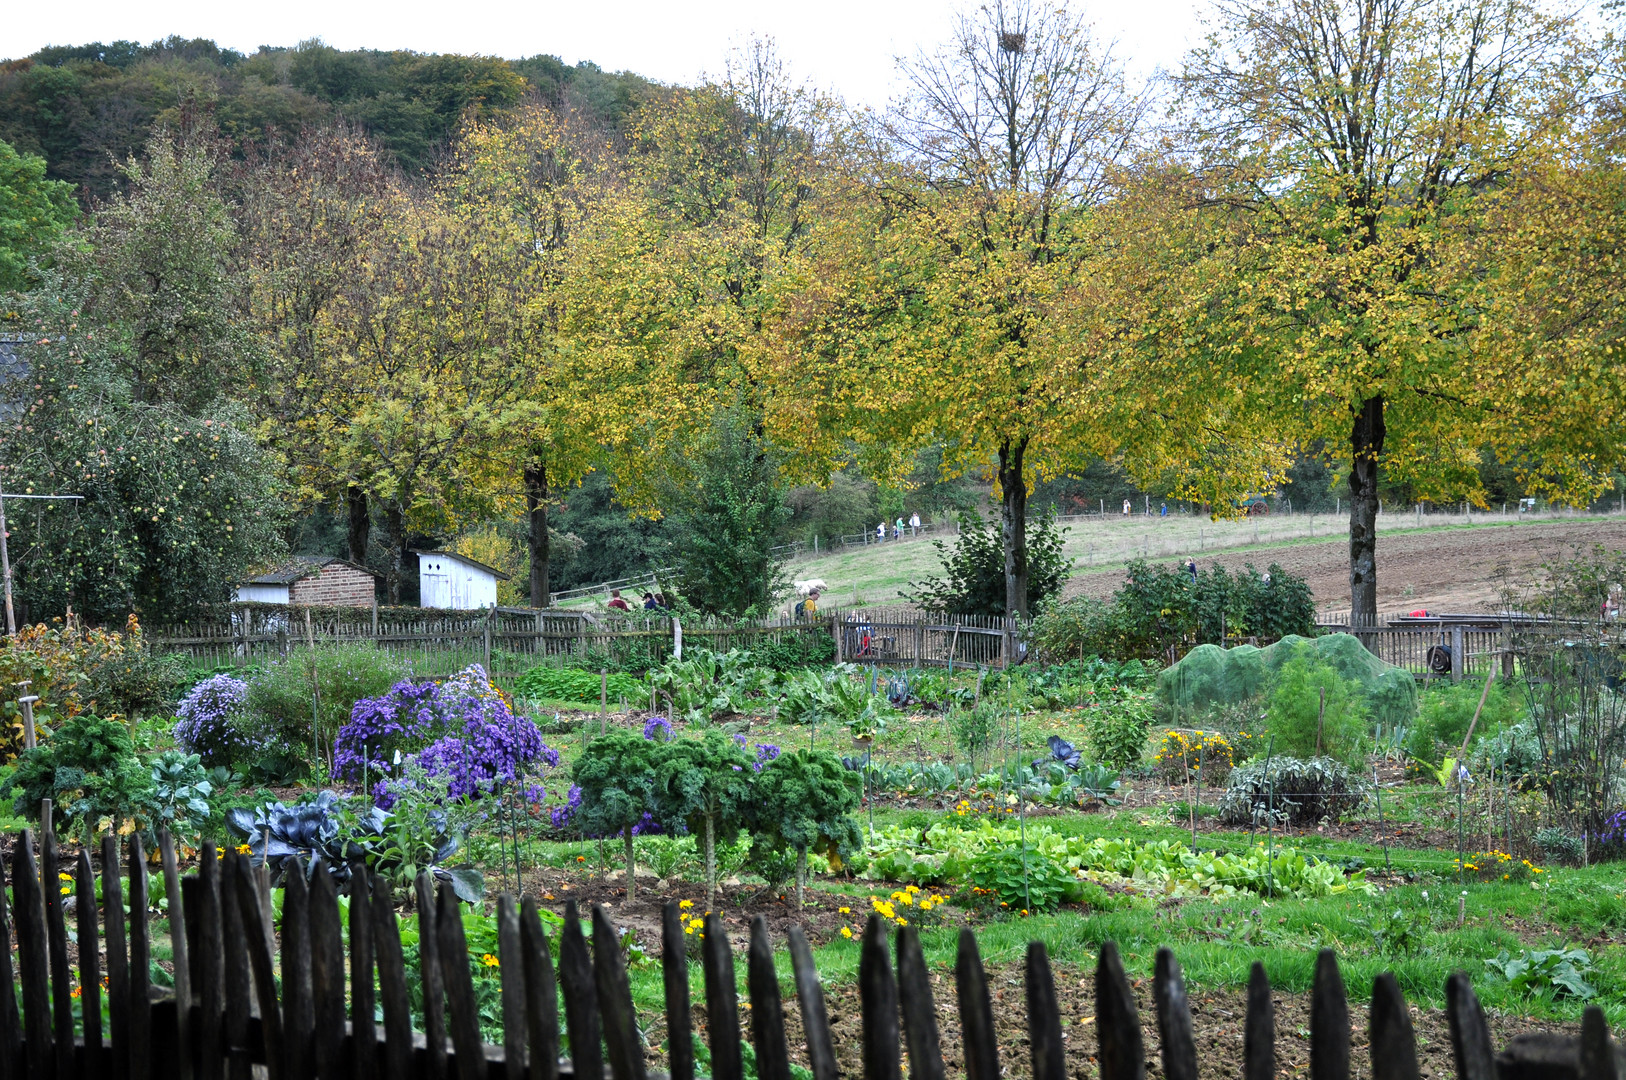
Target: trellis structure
(311,1017)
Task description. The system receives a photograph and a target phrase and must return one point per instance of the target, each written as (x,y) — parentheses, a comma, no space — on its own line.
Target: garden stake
(1320,715)
(316,697)
(1383,835)
(1507,807)
(1021,810)
(1270,821)
(1459,822)
(1198,804)
(603,697)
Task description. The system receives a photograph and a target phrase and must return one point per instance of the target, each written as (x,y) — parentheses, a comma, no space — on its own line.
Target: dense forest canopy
(579,325)
(85,108)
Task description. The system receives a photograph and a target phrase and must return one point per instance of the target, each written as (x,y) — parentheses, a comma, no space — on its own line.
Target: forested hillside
(577,325)
(85,108)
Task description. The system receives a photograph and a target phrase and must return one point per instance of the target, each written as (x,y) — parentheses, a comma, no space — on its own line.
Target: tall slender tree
(925,314)
(1352,145)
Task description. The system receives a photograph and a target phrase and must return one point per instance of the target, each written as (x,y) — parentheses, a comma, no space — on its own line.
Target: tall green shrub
(704,785)
(974,571)
(283,698)
(805,799)
(617,773)
(725,499)
(1302,726)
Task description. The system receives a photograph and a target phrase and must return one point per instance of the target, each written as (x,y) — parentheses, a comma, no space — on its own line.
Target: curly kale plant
(704,785)
(804,799)
(89,768)
(616,775)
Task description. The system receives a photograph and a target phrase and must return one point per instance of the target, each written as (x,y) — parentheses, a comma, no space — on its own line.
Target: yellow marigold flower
(846,910)
(846,931)
(490,961)
(244,849)
(685,905)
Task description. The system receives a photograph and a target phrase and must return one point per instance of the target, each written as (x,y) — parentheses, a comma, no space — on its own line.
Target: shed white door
(434,590)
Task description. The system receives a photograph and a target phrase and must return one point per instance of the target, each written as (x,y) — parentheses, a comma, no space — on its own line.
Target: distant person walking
(1164,511)
(616,603)
(914,524)
(897,528)
(880,533)
(1191,568)
(1126,508)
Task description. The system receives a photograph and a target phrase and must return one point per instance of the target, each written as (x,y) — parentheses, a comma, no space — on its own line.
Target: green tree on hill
(34,212)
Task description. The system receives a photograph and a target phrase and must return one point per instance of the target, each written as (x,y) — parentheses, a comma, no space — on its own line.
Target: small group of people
(913,525)
(652,602)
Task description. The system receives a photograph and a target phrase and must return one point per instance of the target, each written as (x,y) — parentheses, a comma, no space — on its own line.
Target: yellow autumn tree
(1345,152)
(947,295)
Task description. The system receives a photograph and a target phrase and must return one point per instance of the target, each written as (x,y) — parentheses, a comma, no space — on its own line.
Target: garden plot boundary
(510,641)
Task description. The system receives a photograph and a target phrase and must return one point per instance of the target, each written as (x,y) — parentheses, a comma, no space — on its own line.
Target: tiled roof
(298,568)
(492,570)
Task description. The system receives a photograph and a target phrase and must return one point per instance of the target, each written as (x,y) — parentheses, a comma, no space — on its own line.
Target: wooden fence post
(490,614)
(1458,661)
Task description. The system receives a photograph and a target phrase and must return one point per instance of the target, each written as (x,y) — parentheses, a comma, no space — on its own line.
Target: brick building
(319,581)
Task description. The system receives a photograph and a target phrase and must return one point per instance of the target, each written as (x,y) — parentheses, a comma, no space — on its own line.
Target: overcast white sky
(842,45)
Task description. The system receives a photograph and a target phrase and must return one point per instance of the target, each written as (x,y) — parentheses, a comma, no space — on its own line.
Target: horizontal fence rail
(308,1003)
(510,641)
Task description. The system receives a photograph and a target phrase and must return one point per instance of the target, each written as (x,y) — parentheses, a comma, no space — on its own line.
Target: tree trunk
(1013,525)
(801,876)
(711,866)
(632,878)
(395,528)
(1367,448)
(536,505)
(358,524)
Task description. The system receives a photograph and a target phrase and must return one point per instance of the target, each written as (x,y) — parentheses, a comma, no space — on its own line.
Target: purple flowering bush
(461,732)
(401,720)
(214,722)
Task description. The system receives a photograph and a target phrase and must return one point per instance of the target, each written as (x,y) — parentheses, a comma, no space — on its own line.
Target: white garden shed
(449,580)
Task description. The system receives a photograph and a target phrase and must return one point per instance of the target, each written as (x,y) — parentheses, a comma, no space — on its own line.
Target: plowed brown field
(1452,569)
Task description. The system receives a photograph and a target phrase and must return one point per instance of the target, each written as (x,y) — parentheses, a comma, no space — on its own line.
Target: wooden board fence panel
(297,1026)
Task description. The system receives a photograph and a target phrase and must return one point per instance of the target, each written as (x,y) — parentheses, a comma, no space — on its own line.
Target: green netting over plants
(1210,675)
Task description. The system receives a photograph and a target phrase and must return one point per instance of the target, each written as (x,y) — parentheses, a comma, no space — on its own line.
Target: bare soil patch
(1217,1019)
(1456,569)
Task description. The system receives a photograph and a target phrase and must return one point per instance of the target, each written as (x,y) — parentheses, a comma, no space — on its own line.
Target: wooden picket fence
(235,1008)
(509,641)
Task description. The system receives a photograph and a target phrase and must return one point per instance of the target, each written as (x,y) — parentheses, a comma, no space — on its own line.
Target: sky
(848,46)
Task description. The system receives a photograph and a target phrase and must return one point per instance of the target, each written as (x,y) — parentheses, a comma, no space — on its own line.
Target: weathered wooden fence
(242,999)
(1446,646)
(509,641)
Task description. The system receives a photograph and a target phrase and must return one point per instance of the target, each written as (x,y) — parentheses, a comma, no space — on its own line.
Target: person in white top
(880,533)
(914,524)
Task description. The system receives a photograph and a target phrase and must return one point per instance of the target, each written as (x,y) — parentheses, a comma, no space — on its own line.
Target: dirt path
(1460,569)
